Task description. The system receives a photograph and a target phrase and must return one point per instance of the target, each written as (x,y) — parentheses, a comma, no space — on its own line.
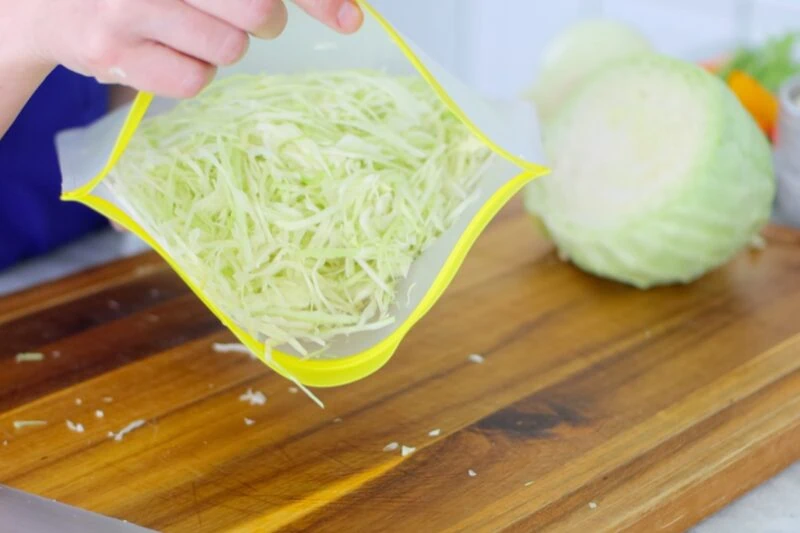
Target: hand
(168,47)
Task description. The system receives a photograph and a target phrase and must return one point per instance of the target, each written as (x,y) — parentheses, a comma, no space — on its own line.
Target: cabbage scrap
(298,202)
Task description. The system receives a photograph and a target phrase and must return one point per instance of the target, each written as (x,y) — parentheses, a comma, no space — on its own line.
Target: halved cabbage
(659,174)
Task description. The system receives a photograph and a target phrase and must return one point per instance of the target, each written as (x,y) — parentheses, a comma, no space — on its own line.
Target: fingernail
(349,17)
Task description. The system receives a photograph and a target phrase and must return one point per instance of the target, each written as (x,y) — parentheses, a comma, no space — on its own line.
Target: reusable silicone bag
(88,156)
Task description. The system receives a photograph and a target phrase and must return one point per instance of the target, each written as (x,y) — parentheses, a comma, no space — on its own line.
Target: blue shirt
(33,219)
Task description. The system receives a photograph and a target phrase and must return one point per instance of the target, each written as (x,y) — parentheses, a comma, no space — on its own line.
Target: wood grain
(656,407)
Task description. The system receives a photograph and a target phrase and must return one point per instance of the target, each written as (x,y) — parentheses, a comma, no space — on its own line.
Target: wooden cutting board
(597,408)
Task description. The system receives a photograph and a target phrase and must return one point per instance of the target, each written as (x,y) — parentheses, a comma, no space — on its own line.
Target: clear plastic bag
(89,157)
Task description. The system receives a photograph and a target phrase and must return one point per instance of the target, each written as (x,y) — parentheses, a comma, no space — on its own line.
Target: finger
(265,19)
(341,15)
(191,31)
(155,68)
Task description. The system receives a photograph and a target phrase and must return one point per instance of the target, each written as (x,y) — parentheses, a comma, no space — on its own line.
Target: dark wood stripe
(91,352)
(76,286)
(48,326)
(553,513)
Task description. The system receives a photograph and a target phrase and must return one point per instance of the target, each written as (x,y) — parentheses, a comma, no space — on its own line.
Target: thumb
(341,15)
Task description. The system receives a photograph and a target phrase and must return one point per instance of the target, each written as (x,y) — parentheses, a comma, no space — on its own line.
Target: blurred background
(495,45)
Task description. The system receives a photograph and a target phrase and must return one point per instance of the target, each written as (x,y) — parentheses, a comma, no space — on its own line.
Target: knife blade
(21,512)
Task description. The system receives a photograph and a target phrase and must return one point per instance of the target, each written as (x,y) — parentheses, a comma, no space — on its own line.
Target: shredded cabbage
(28,357)
(298,202)
(19,424)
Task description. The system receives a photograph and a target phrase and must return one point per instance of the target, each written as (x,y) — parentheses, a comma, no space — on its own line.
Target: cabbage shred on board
(298,202)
